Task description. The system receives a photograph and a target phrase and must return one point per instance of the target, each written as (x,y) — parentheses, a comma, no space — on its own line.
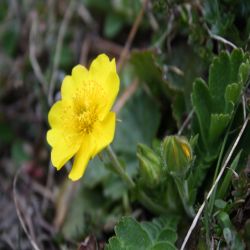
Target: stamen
(86,106)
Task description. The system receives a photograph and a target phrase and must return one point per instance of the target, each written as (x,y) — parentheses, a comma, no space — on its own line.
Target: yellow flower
(81,122)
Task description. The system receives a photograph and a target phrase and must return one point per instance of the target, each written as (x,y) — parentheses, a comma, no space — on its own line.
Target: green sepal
(177,155)
(150,170)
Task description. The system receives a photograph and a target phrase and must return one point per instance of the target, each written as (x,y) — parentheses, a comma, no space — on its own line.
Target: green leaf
(96,173)
(223,187)
(113,187)
(178,108)
(163,246)
(86,212)
(151,73)
(99,174)
(99,5)
(180,72)
(244,72)
(217,125)
(158,234)
(113,24)
(151,228)
(3,9)
(6,134)
(232,95)
(9,39)
(167,234)
(66,59)
(223,71)
(231,236)
(159,227)
(202,104)
(18,153)
(180,75)
(74,224)
(221,204)
(114,244)
(139,121)
(131,234)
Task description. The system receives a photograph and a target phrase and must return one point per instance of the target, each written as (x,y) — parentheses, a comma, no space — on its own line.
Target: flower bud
(150,165)
(177,155)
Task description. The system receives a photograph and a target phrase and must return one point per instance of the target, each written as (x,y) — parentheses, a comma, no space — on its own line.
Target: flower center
(86,120)
(87,106)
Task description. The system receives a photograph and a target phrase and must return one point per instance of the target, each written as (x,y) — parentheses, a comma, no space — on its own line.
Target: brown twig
(63,203)
(39,189)
(123,56)
(101,45)
(131,36)
(85,50)
(126,95)
(32,55)
(98,45)
(152,20)
(85,15)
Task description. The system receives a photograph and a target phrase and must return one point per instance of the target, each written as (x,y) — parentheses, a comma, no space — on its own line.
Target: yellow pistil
(81,122)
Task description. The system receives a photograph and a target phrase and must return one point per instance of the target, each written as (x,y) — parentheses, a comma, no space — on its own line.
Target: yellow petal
(112,87)
(68,87)
(104,133)
(72,84)
(55,114)
(81,159)
(104,73)
(64,146)
(60,115)
(101,67)
(80,74)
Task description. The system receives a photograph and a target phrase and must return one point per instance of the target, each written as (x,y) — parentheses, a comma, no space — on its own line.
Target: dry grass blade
(49,184)
(223,40)
(19,215)
(185,123)
(32,55)
(214,185)
(126,95)
(61,34)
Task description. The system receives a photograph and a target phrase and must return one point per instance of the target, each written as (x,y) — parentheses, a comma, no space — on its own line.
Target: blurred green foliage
(183,59)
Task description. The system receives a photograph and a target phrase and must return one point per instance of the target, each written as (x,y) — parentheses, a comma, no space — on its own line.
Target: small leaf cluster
(215,104)
(158,234)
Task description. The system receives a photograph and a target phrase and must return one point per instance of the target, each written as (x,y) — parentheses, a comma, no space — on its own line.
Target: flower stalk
(182,187)
(142,196)
(117,167)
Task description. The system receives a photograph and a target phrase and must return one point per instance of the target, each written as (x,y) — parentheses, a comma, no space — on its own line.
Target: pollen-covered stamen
(86,106)
(86,120)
